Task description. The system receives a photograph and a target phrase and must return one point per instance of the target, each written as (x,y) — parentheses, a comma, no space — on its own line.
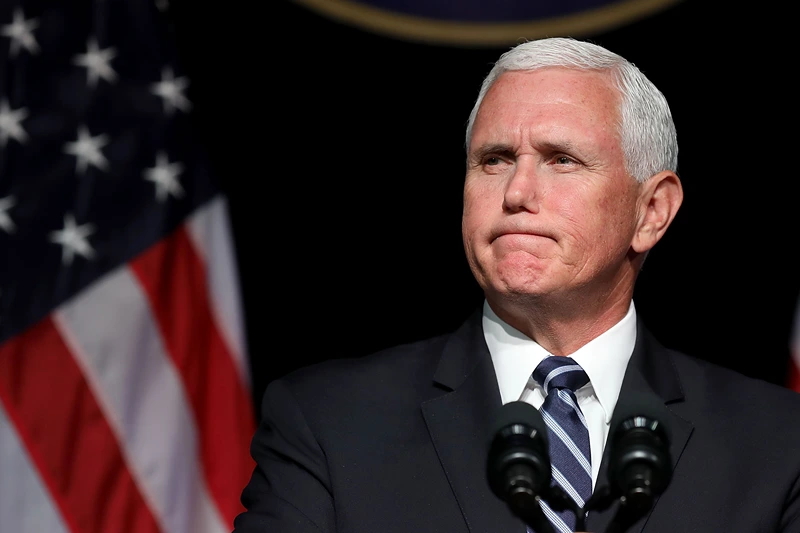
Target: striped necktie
(568,434)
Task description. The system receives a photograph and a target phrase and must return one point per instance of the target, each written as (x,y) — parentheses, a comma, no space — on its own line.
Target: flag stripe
(210,231)
(143,398)
(21,488)
(174,279)
(65,431)
(793,379)
(126,399)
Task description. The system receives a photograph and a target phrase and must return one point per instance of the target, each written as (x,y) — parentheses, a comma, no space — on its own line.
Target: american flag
(125,394)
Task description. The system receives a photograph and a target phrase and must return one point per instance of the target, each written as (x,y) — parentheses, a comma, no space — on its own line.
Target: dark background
(341,152)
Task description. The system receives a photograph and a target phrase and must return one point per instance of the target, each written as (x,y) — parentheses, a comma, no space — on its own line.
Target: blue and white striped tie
(568,434)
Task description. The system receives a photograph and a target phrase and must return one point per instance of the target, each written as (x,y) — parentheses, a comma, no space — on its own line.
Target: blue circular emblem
(482,22)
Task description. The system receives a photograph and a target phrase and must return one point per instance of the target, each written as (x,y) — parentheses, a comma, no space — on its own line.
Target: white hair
(646,129)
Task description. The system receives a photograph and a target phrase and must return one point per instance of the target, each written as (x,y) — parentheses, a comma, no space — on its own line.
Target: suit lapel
(650,372)
(459,423)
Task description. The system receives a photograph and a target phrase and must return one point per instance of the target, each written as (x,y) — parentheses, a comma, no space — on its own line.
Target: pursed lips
(521,234)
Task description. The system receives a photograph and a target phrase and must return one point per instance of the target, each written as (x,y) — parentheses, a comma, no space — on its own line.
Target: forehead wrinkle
(555,145)
(493,147)
(530,119)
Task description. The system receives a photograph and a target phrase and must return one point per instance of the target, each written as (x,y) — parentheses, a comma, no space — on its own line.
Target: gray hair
(646,129)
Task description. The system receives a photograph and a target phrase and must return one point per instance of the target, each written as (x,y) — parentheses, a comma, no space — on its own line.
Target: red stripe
(793,381)
(174,278)
(67,437)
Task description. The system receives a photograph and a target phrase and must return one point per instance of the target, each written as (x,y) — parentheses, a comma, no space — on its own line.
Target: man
(571,181)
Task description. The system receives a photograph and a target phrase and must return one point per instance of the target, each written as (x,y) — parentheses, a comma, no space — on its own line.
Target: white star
(96,62)
(9,123)
(20,31)
(165,176)
(87,150)
(73,240)
(6,223)
(170,89)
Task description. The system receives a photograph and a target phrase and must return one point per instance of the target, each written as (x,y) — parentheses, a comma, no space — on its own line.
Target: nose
(520,193)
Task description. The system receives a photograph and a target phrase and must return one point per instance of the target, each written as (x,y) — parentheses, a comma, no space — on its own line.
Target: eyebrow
(495,148)
(558,146)
(565,146)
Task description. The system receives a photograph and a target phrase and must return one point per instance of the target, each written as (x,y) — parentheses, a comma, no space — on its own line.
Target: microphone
(640,466)
(518,464)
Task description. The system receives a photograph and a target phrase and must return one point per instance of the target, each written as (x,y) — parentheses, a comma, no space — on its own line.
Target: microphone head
(640,466)
(641,410)
(518,464)
(518,412)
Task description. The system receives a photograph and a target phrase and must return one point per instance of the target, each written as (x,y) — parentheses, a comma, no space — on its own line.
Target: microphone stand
(529,510)
(526,506)
(629,508)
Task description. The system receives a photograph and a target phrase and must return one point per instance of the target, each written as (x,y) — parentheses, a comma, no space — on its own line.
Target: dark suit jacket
(397,442)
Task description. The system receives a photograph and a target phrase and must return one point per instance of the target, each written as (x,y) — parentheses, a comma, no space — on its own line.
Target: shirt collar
(604,358)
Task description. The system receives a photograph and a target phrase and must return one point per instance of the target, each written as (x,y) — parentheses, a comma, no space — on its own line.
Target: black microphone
(640,465)
(518,464)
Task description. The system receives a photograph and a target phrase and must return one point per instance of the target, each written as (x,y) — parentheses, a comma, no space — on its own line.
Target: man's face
(549,209)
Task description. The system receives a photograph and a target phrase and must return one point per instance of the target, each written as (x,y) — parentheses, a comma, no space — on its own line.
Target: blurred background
(197,198)
(341,149)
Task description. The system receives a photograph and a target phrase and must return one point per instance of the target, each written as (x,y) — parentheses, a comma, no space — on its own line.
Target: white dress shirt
(515,356)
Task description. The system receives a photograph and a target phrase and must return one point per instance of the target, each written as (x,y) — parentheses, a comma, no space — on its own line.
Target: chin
(519,275)
(518,287)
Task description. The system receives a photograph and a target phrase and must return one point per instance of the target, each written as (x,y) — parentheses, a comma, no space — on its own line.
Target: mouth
(519,240)
(518,234)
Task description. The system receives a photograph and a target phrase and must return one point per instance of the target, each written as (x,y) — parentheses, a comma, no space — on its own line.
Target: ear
(659,200)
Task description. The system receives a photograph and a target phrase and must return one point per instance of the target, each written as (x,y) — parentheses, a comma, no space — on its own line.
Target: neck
(562,327)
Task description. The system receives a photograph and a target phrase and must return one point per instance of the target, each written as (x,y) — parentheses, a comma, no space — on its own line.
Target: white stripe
(561,434)
(567,398)
(556,520)
(558,371)
(25,504)
(210,232)
(114,339)
(566,485)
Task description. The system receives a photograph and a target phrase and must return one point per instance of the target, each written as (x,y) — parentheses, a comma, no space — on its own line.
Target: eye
(497,157)
(492,159)
(564,160)
(496,163)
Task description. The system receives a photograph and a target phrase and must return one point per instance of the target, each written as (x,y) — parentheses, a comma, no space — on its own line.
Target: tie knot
(557,372)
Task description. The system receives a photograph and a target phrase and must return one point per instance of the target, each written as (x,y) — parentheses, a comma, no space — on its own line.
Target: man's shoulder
(382,368)
(702,380)
(728,389)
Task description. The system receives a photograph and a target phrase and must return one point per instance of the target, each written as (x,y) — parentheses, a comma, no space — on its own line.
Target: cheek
(587,225)
(600,231)
(618,213)
(477,205)
(576,213)
(470,226)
